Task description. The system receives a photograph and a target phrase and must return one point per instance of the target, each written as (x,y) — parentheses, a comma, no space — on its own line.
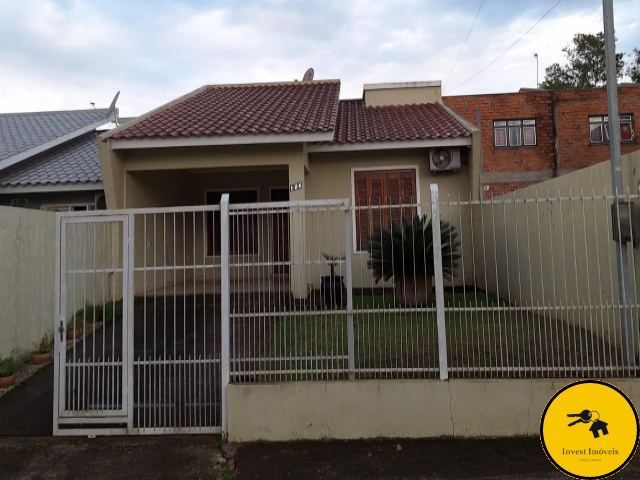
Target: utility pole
(537,71)
(626,326)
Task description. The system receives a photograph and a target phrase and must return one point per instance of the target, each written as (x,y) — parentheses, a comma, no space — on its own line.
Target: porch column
(298,249)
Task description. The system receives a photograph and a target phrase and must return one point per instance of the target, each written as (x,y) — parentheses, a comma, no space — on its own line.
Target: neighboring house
(535,135)
(50,159)
(255,141)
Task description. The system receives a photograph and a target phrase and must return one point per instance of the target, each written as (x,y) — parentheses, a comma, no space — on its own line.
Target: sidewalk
(433,459)
(192,458)
(113,458)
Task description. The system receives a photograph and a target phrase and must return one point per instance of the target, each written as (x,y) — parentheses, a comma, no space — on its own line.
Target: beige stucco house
(256,140)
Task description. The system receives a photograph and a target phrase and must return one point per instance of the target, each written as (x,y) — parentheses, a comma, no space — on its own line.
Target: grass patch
(483,342)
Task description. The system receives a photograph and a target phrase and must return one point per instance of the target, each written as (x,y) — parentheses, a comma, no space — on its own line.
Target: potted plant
(404,254)
(7,372)
(73,334)
(332,286)
(42,350)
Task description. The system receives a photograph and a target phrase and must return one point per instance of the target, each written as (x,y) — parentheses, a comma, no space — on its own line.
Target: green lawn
(485,342)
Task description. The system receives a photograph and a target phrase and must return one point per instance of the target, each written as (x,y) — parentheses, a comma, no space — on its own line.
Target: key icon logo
(590,416)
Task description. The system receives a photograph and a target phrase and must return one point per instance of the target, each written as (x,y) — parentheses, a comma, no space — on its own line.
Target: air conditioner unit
(444,159)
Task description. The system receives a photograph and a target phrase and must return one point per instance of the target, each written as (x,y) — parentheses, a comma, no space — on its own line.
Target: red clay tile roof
(245,109)
(358,123)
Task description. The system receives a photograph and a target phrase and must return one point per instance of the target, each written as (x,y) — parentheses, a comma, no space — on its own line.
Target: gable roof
(20,132)
(358,123)
(76,161)
(279,108)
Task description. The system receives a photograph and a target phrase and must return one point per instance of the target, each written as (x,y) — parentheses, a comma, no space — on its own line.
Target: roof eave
(391,145)
(251,139)
(51,187)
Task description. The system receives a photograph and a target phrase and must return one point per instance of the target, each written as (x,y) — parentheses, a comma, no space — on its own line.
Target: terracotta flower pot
(40,358)
(6,382)
(74,334)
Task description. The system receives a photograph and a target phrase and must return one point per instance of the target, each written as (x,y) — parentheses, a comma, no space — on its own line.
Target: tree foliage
(633,69)
(585,66)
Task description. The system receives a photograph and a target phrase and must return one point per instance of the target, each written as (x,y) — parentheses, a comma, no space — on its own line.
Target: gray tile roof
(75,161)
(22,131)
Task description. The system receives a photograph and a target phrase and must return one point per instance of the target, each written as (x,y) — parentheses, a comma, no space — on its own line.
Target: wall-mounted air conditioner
(444,159)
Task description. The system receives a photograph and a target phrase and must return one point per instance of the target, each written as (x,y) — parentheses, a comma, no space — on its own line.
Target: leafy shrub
(101,313)
(406,251)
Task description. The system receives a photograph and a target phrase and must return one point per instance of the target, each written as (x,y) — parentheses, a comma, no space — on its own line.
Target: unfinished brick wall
(507,169)
(573,110)
(536,105)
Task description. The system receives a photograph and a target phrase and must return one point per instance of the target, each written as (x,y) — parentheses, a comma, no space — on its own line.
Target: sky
(65,54)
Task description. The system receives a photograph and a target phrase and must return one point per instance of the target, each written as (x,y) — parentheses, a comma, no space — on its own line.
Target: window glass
(529,135)
(501,137)
(514,137)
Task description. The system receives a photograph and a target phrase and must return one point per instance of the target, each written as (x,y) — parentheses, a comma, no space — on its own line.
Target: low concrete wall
(393,408)
(27,262)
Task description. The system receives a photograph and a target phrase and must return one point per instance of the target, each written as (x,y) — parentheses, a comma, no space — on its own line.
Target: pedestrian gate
(138,323)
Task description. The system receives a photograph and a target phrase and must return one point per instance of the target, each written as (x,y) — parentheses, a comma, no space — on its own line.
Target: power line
(463,45)
(510,47)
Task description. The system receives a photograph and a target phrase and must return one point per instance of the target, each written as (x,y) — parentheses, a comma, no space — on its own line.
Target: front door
(280,232)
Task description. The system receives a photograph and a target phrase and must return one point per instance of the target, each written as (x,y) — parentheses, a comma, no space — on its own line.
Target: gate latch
(61,330)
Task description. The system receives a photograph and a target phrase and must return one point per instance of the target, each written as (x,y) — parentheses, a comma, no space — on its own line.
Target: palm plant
(404,254)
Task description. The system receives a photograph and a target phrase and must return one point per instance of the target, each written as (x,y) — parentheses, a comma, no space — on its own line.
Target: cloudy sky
(64,54)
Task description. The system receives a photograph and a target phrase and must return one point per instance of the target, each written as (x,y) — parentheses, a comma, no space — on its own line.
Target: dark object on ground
(332,288)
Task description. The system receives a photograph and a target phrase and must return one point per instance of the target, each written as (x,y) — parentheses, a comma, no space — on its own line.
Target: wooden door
(280,231)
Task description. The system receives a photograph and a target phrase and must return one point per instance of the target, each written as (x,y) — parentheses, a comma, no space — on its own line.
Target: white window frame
(519,125)
(602,121)
(354,243)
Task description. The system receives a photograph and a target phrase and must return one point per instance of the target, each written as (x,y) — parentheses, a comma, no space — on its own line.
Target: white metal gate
(92,362)
(139,345)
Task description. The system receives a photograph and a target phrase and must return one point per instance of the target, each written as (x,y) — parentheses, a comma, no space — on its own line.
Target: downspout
(554,130)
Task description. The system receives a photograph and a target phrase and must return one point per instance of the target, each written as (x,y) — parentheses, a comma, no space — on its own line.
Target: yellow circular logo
(589,429)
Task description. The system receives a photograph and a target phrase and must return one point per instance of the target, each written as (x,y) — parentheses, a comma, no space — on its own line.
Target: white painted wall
(27,262)
(394,408)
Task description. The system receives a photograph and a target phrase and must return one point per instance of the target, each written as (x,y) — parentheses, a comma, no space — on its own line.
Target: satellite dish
(112,108)
(308,75)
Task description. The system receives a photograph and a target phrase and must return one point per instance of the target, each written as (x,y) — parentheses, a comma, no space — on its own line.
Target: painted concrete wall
(378,97)
(27,247)
(27,284)
(179,176)
(331,177)
(559,254)
(393,408)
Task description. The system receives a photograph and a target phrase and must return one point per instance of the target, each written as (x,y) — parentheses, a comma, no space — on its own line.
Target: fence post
(347,257)
(439,282)
(224,307)
(58,329)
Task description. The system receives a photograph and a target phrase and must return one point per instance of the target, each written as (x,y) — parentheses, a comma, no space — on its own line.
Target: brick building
(533,135)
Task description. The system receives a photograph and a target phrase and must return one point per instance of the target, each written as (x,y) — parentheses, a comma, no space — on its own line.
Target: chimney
(403,93)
